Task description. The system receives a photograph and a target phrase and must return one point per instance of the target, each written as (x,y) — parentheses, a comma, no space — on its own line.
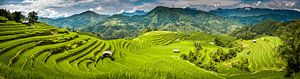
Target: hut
(254,41)
(177,40)
(212,43)
(107,53)
(176,51)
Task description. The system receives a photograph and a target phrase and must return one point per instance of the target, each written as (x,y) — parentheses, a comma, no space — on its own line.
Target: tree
(184,56)
(290,50)
(17,16)
(224,41)
(231,53)
(32,17)
(145,30)
(5,13)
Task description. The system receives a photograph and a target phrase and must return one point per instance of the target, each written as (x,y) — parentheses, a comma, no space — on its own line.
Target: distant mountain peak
(190,8)
(89,12)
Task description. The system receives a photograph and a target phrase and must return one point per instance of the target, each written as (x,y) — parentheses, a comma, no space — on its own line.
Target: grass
(50,52)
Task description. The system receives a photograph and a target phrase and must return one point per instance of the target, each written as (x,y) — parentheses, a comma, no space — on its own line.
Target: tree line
(18,17)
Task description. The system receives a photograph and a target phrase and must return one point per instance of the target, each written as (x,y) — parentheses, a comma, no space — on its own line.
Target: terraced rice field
(42,51)
(262,53)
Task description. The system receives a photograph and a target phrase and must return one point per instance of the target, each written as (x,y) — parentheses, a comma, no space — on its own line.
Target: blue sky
(63,8)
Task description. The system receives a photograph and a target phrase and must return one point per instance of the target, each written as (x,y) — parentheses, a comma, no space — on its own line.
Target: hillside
(129,25)
(76,21)
(162,19)
(249,15)
(43,51)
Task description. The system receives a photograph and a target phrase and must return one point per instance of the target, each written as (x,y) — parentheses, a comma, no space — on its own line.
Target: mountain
(165,19)
(137,12)
(75,21)
(249,15)
(267,27)
(219,21)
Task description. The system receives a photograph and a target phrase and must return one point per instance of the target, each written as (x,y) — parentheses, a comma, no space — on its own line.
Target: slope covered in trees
(76,21)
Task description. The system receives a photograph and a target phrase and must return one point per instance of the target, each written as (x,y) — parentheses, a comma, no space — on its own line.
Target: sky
(64,8)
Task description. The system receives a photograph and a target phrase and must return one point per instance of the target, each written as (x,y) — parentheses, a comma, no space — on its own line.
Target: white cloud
(69,7)
(132,10)
(258,3)
(120,11)
(42,7)
(50,13)
(86,1)
(97,9)
(200,4)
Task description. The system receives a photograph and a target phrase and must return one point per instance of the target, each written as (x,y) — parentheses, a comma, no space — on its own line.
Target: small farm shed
(107,53)
(176,51)
(254,41)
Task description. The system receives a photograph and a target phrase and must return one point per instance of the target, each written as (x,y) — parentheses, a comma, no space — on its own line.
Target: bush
(290,50)
(231,53)
(3,19)
(225,41)
(184,56)
(242,64)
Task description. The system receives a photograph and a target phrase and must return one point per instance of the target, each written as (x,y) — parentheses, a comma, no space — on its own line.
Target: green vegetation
(161,18)
(268,27)
(18,17)
(43,51)
(32,17)
(290,50)
(3,19)
(59,53)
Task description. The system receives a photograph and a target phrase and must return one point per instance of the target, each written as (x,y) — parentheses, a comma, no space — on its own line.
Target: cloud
(42,7)
(258,3)
(96,9)
(86,1)
(48,13)
(52,8)
(274,4)
(200,4)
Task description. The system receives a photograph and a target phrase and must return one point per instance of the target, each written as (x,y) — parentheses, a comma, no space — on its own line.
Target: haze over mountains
(171,19)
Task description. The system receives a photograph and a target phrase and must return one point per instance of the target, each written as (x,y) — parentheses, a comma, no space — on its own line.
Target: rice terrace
(149,39)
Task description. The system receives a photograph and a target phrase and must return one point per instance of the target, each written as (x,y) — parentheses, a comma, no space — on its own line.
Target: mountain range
(188,19)
(162,18)
(249,15)
(75,21)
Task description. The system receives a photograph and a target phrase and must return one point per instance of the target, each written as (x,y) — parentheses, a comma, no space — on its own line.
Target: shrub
(3,19)
(242,64)
(184,56)
(225,41)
